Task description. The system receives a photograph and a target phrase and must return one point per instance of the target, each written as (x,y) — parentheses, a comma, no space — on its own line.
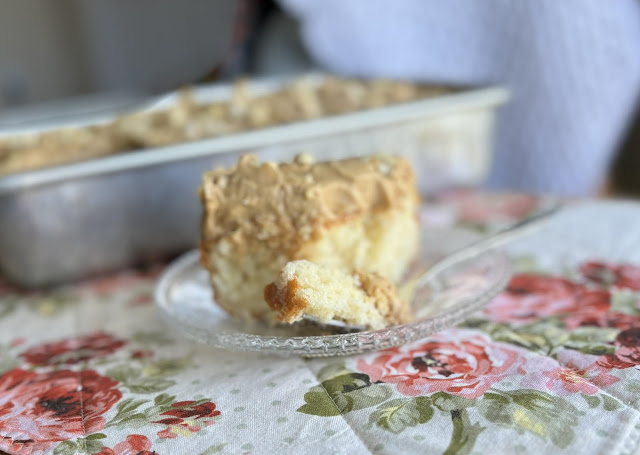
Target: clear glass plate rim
(241,341)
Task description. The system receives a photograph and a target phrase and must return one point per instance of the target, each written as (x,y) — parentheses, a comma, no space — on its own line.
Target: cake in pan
(190,119)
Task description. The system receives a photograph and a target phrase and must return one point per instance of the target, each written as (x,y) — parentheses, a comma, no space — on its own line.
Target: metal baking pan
(68,222)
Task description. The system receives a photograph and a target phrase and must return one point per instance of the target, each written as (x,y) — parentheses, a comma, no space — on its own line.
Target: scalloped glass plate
(184,297)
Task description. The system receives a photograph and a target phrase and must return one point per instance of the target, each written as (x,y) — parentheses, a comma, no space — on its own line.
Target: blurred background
(570,128)
(573,69)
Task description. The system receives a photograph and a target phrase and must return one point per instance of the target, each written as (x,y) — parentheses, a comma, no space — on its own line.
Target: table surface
(550,366)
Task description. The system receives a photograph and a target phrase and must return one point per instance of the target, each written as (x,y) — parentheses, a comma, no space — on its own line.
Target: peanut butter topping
(284,204)
(386,298)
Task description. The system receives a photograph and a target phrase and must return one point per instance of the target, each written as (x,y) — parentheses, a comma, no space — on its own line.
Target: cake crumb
(327,293)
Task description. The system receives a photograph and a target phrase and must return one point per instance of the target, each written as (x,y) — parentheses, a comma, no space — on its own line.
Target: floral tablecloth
(550,366)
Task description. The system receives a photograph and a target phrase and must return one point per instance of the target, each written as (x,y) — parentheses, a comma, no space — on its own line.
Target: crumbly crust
(286,302)
(284,297)
(385,298)
(284,204)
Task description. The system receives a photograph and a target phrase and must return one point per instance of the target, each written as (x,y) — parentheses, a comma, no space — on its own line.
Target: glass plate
(184,297)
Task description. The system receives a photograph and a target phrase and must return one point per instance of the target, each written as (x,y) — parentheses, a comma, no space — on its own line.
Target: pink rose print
(73,350)
(621,276)
(141,354)
(186,417)
(37,411)
(134,444)
(627,354)
(583,318)
(19,341)
(576,373)
(530,297)
(575,380)
(465,363)
(106,286)
(592,309)
(484,208)
(141,300)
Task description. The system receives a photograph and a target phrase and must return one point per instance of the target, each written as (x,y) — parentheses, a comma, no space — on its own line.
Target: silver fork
(495,240)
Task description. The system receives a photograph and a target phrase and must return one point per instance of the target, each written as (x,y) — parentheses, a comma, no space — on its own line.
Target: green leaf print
(318,403)
(593,349)
(354,391)
(52,304)
(136,381)
(397,415)
(152,338)
(346,383)
(633,386)
(464,435)
(610,404)
(154,412)
(66,448)
(342,394)
(129,405)
(542,336)
(164,400)
(166,367)
(593,401)
(214,449)
(525,264)
(129,413)
(96,436)
(123,373)
(550,418)
(47,304)
(592,340)
(332,370)
(625,301)
(89,446)
(593,335)
(126,412)
(362,398)
(149,385)
(446,402)
(545,335)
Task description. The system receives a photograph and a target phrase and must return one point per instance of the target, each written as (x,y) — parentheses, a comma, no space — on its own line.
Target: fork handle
(495,240)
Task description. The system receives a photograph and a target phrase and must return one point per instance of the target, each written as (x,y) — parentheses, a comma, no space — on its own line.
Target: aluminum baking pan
(67,222)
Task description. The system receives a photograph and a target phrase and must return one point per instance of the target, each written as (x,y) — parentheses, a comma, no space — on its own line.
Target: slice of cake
(350,214)
(358,298)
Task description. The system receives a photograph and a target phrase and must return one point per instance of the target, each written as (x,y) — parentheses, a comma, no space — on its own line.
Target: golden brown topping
(189,119)
(284,203)
(286,301)
(386,298)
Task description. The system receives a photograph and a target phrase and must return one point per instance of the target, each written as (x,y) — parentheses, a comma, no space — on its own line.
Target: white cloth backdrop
(573,67)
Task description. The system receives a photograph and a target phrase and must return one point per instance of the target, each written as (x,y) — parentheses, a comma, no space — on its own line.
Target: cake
(352,214)
(189,117)
(357,298)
